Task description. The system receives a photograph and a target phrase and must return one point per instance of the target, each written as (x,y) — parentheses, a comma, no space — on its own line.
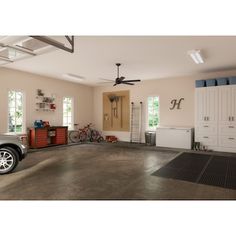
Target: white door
(225,103)
(211,104)
(200,105)
(233,103)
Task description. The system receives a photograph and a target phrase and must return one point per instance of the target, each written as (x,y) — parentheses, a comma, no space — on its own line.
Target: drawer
(227,129)
(227,141)
(206,140)
(205,128)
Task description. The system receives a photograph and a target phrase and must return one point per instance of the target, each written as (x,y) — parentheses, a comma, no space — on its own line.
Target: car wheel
(9,159)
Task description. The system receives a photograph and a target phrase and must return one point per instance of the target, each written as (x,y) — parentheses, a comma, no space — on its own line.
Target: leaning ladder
(136,123)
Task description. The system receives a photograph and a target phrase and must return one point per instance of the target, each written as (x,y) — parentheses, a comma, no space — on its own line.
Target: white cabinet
(174,137)
(206,104)
(200,104)
(206,116)
(227,117)
(227,129)
(207,140)
(233,103)
(227,141)
(215,117)
(225,103)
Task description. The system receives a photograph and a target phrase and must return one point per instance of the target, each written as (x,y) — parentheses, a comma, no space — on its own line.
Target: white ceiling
(142,57)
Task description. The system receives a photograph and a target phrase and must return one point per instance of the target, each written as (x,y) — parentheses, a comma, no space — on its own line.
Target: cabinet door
(206,140)
(233,103)
(200,104)
(212,104)
(224,103)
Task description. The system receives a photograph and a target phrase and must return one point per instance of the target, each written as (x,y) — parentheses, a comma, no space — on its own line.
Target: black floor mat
(201,168)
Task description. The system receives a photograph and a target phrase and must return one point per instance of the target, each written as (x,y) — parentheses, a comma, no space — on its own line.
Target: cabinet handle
(231,138)
(231,126)
(205,137)
(229,118)
(205,126)
(232,118)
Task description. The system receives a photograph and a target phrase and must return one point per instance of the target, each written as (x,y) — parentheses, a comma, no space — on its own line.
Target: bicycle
(85,134)
(78,135)
(96,136)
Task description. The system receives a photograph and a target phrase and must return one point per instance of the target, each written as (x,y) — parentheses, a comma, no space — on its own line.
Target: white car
(11,152)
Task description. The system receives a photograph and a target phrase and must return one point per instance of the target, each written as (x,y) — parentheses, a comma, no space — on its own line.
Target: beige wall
(29,83)
(166,89)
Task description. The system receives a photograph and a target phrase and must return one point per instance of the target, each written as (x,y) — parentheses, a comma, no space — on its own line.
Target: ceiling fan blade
(124,82)
(134,80)
(121,78)
(114,84)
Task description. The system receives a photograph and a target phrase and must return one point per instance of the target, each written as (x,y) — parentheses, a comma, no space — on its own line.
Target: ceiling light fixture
(196,56)
(73,76)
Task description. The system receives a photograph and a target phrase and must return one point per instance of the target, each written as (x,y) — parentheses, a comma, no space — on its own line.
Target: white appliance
(215,117)
(174,137)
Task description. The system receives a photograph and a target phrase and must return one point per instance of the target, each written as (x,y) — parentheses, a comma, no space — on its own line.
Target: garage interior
(100,115)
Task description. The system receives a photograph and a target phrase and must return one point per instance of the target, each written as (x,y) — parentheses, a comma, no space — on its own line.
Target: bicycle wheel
(82,136)
(74,136)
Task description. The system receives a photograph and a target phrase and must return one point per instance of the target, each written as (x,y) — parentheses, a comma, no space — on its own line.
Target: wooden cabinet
(44,137)
(60,137)
(38,137)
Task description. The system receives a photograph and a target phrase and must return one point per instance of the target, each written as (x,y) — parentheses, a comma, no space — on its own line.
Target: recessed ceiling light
(73,76)
(196,56)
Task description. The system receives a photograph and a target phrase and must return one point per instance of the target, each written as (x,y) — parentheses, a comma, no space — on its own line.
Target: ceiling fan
(121,79)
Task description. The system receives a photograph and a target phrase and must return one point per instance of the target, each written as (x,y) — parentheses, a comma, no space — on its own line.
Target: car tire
(9,159)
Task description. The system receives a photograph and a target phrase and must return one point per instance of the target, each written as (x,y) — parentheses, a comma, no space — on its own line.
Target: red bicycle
(85,134)
(78,135)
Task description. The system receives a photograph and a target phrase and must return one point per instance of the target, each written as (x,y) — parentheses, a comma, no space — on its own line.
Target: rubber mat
(201,168)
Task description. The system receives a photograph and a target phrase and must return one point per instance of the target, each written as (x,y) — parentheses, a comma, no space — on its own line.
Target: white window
(153,112)
(15,112)
(68,112)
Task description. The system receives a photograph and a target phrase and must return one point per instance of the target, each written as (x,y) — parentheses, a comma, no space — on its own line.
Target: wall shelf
(44,103)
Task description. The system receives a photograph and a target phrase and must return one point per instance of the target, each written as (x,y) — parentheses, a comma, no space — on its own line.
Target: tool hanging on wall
(136,123)
(116,108)
(112,98)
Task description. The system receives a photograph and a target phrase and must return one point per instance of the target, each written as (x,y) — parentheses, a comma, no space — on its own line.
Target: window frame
(72,112)
(147,113)
(23,112)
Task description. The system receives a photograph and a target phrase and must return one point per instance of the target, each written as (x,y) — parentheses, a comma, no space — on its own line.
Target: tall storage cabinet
(227,117)
(215,117)
(206,116)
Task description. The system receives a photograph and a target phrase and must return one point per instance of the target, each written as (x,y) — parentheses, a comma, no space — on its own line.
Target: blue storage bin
(200,83)
(232,80)
(222,81)
(210,82)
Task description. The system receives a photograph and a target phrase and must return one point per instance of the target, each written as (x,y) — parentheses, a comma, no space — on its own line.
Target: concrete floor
(100,171)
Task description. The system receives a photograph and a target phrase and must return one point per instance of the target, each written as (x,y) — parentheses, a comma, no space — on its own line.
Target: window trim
(147,115)
(23,113)
(72,112)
